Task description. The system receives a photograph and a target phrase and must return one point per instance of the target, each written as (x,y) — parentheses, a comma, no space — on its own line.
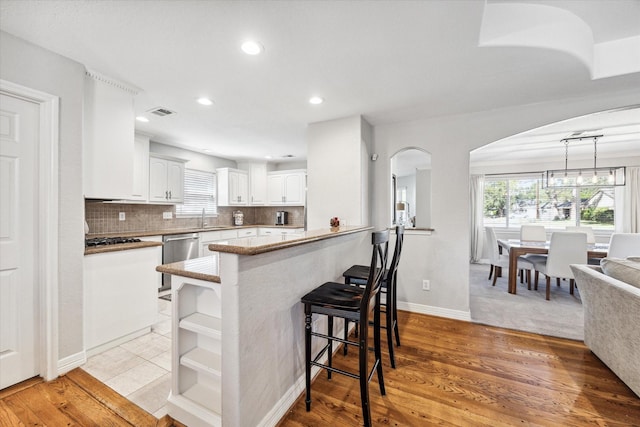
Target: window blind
(199,193)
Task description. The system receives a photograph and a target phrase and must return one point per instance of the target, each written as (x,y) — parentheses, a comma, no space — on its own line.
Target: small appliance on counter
(238,218)
(282,217)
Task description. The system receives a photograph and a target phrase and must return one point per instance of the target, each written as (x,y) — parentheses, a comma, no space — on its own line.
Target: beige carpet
(562,316)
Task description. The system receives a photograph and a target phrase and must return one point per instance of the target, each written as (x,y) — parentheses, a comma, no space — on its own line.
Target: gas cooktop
(100,241)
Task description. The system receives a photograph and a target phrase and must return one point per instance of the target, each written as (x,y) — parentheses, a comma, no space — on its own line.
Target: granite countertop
(261,244)
(170,231)
(119,247)
(205,268)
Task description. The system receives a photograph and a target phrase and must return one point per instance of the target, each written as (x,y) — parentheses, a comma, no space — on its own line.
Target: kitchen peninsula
(238,327)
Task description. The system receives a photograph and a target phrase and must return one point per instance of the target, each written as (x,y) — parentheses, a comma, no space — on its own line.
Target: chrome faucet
(204,224)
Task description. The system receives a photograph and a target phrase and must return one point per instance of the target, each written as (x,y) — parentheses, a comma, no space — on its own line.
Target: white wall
(336,175)
(31,66)
(197,161)
(443,257)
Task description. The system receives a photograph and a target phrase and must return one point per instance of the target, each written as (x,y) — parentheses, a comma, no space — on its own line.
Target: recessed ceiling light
(204,101)
(206,150)
(142,119)
(252,47)
(268,157)
(315,100)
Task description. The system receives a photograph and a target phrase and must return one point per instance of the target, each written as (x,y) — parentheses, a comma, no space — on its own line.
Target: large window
(510,201)
(199,193)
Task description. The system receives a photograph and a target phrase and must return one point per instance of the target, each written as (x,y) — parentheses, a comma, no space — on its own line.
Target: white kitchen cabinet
(140,168)
(286,188)
(275,231)
(247,232)
(257,182)
(166,179)
(108,133)
(120,296)
(196,360)
(233,187)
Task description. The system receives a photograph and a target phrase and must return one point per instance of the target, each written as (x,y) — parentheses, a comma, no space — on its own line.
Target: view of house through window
(510,201)
(199,193)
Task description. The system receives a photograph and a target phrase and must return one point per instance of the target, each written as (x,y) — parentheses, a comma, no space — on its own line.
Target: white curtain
(476,201)
(631,203)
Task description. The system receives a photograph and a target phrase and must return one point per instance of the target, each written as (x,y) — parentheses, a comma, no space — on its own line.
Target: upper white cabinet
(258,184)
(108,129)
(286,188)
(233,187)
(140,168)
(166,179)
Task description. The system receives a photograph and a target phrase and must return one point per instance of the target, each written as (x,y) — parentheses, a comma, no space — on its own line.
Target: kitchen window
(513,200)
(199,193)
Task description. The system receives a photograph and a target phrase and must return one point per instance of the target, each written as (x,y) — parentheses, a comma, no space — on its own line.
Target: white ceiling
(389,61)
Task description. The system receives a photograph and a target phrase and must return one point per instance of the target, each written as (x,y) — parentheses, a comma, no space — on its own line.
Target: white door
(19,124)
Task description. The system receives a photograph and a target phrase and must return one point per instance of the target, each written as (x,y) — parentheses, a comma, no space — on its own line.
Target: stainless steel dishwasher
(178,247)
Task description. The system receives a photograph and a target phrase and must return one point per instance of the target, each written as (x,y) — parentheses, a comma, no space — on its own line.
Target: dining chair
(532,233)
(591,238)
(565,248)
(622,245)
(499,261)
(354,303)
(358,274)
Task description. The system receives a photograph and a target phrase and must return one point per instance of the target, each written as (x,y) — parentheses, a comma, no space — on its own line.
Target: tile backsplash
(104,217)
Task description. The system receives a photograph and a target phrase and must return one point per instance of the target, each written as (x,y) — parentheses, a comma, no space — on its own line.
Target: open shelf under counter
(207,397)
(199,405)
(202,324)
(202,360)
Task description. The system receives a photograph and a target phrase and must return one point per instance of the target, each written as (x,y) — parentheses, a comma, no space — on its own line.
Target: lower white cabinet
(247,232)
(120,296)
(208,237)
(278,231)
(196,381)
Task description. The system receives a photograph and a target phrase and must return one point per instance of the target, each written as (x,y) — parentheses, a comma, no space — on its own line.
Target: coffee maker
(282,217)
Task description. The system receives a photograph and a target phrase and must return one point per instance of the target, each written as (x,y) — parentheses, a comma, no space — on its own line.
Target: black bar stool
(357,275)
(350,303)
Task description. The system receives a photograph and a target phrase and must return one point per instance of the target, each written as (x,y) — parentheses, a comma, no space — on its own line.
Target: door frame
(47,223)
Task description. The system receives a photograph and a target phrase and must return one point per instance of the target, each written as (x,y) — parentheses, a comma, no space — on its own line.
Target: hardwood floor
(463,374)
(448,373)
(75,399)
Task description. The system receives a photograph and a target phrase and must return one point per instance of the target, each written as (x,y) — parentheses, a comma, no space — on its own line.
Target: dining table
(516,248)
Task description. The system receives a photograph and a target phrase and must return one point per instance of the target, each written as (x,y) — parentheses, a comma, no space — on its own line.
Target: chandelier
(584,177)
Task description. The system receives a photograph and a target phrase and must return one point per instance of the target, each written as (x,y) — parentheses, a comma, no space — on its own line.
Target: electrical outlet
(121,216)
(426,285)
(166,215)
(314,325)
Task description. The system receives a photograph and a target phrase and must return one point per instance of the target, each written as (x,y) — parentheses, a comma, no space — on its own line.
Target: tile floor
(140,369)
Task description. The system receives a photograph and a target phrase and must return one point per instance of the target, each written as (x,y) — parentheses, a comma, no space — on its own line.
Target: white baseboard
(111,344)
(71,362)
(435,311)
